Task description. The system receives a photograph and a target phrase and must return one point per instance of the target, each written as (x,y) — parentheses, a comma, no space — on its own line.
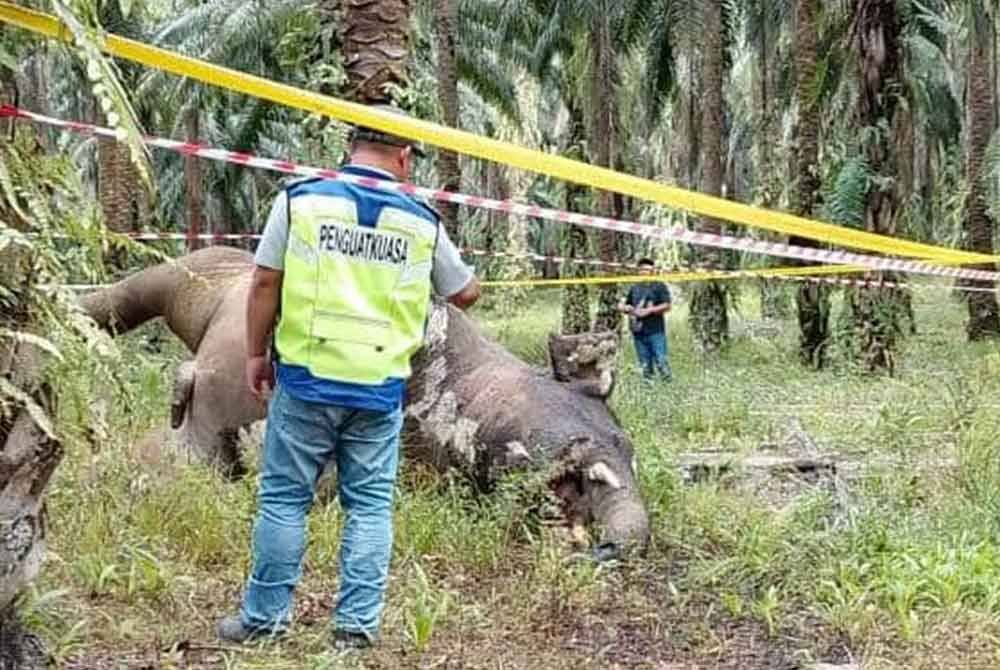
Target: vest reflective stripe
(354,299)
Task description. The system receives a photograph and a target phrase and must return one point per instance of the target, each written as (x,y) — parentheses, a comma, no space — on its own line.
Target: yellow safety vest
(354,299)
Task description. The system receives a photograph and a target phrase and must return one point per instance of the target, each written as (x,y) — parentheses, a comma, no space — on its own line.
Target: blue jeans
(301,439)
(651,350)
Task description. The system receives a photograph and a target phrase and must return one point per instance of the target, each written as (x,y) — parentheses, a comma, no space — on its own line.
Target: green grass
(902,571)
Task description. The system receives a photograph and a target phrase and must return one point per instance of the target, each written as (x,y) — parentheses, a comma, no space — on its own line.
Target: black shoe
(231,629)
(348,640)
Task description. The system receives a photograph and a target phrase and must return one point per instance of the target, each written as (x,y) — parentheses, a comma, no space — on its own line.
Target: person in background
(352,269)
(646,305)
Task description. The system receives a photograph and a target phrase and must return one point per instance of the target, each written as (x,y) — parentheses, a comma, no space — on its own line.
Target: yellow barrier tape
(680,277)
(493,150)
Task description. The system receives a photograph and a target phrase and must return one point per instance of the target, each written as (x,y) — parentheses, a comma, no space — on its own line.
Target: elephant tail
(182,392)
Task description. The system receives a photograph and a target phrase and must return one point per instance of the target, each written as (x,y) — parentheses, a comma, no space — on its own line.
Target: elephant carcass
(472,404)
(202,299)
(477,407)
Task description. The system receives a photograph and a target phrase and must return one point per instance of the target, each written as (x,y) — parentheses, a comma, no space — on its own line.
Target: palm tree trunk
(708,316)
(495,186)
(921,176)
(28,453)
(994,45)
(576,302)
(774,303)
(8,96)
(31,457)
(683,150)
(763,106)
(812,300)
(603,141)
(693,124)
(877,34)
(904,143)
(117,186)
(516,244)
(375,43)
(8,86)
(114,171)
(192,178)
(576,298)
(445,20)
(550,237)
(117,182)
(984,314)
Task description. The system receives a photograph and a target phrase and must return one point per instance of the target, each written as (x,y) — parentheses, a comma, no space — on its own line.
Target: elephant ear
(586,361)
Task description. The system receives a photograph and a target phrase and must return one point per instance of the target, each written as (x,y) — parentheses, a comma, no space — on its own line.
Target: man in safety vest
(352,269)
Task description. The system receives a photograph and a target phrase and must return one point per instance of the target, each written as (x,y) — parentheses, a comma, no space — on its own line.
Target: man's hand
(625,309)
(468,296)
(260,376)
(640,312)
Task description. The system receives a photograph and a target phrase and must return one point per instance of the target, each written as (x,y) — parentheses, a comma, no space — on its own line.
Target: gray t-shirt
(449,274)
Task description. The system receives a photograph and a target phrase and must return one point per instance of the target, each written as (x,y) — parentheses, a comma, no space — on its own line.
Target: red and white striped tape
(841,281)
(592,262)
(752,274)
(674,234)
(220,237)
(735,274)
(207,237)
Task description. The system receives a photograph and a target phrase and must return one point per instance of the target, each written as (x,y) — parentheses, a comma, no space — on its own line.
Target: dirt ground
(637,620)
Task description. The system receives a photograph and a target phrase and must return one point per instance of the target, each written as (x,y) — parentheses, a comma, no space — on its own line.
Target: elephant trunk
(623,522)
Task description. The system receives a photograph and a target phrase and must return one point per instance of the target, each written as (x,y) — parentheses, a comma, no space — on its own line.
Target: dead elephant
(470,405)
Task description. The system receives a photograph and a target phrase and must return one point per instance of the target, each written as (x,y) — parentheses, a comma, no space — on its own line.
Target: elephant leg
(217,403)
(227,455)
(208,438)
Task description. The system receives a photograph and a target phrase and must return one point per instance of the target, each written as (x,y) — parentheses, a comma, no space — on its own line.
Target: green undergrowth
(901,562)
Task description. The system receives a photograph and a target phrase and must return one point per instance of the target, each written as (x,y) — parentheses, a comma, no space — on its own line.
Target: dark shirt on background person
(646,305)
(646,295)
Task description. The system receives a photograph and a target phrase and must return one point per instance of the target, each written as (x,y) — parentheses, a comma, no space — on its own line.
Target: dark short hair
(647,261)
(364,134)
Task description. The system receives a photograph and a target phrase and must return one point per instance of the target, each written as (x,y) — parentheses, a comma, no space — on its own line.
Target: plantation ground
(894,563)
